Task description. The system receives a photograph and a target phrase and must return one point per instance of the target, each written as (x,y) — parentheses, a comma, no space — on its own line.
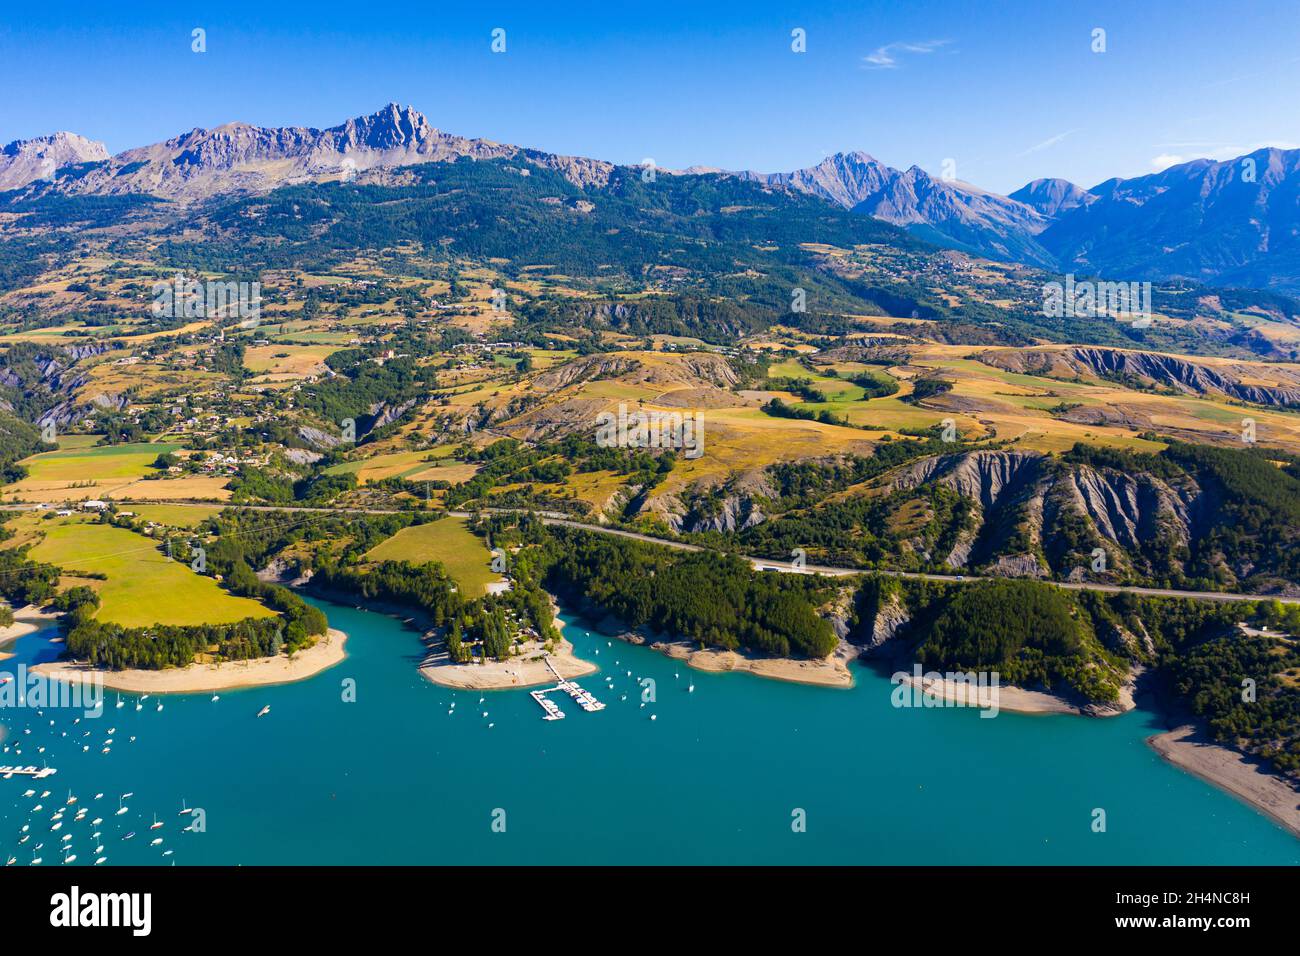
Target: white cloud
(887,56)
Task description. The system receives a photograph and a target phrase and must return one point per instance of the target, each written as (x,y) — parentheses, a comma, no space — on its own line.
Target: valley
(872,444)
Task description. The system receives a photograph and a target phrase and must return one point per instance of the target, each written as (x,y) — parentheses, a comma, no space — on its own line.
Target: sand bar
(201,678)
(27,620)
(1231,770)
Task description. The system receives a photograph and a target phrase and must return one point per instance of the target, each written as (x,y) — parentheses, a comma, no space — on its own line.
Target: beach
(832,671)
(1021,700)
(27,620)
(527,669)
(201,678)
(1192,750)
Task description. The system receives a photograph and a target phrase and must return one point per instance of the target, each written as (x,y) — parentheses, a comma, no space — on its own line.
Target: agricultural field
(175,516)
(80,470)
(434,465)
(448,542)
(287,361)
(140,585)
(83,462)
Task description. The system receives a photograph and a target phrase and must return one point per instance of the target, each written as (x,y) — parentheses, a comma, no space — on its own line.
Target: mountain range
(1229,223)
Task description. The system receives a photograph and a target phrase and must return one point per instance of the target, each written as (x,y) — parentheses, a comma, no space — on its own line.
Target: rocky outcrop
(27,160)
(1132,509)
(735,505)
(889,620)
(240,158)
(1040,517)
(986,476)
(1237,380)
(318,438)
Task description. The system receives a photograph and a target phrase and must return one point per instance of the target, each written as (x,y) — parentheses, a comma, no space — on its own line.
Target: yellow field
(186,488)
(81,463)
(143,586)
(427,465)
(448,542)
(287,360)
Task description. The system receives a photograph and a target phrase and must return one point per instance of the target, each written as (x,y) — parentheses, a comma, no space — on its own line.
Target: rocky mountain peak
(26,160)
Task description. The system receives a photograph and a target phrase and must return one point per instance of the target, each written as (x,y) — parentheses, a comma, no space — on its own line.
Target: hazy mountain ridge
(240,158)
(1209,221)
(1235,222)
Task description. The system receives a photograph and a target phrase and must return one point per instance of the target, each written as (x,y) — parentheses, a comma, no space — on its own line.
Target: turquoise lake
(715,778)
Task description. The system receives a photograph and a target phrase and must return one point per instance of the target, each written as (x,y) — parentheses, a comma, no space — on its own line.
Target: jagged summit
(241,158)
(27,160)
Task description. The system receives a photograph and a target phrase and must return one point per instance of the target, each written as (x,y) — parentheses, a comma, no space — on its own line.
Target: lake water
(717,777)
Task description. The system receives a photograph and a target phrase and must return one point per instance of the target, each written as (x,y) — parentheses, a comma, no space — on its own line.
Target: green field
(80,463)
(142,585)
(448,542)
(175,516)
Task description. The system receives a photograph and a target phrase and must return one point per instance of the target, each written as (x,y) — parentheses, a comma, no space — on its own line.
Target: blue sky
(1010,91)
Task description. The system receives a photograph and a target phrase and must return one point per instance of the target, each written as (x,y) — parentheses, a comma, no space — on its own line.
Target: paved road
(556,518)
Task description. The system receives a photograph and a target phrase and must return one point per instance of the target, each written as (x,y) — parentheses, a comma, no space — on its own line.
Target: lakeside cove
(1181,748)
(945,785)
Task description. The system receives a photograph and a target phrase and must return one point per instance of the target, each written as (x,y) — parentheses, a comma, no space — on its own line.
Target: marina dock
(584,697)
(552,709)
(36,773)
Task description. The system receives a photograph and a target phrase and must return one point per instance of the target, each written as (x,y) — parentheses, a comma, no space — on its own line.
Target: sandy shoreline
(197,678)
(529,669)
(833,671)
(27,620)
(1191,750)
(1020,700)
(1016,700)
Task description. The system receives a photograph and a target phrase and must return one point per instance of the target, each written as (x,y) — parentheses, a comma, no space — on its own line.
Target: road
(558,519)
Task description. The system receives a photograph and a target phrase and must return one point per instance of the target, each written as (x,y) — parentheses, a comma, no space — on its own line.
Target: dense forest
(715,600)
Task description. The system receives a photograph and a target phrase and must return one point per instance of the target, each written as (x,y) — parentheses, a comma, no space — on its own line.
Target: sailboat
(264,711)
(185,811)
(121,808)
(215,698)
(156,823)
(120,702)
